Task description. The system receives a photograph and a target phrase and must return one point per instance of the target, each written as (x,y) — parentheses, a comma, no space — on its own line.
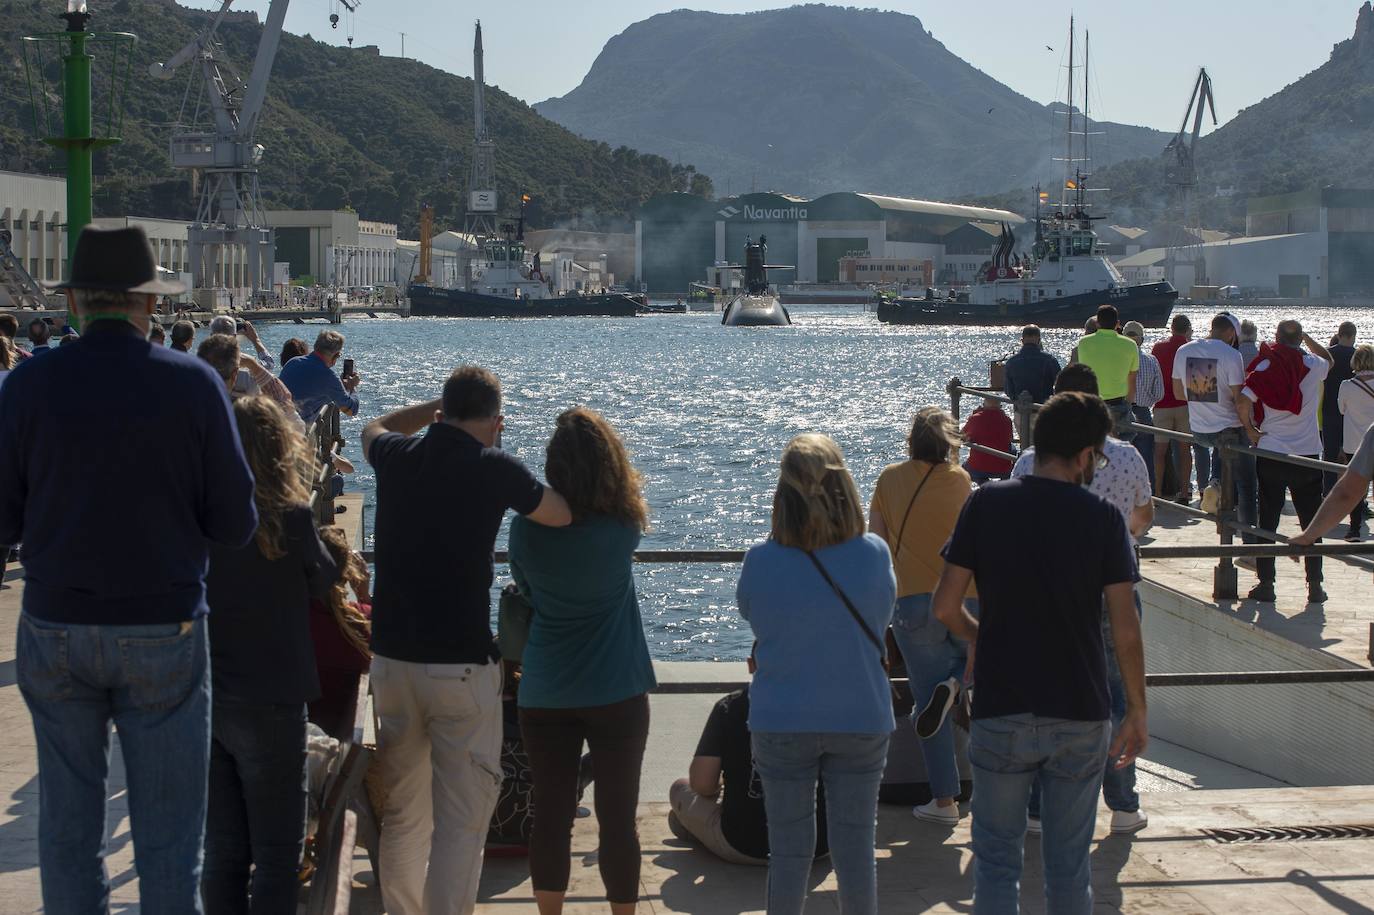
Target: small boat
(758,305)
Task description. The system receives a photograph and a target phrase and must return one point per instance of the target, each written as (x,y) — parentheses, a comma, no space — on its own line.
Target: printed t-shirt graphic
(1201,379)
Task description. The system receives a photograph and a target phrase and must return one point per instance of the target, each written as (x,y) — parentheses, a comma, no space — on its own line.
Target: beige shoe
(1211,499)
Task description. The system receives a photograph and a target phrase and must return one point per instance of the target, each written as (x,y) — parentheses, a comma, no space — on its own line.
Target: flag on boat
(1071,185)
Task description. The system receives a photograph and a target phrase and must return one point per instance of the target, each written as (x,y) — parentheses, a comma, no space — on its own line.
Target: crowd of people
(212,622)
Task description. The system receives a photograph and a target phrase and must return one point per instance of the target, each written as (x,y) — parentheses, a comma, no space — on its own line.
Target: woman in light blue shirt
(819,595)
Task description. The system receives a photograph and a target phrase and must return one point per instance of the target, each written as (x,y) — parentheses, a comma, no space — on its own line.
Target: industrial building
(1313,244)
(678,237)
(334,247)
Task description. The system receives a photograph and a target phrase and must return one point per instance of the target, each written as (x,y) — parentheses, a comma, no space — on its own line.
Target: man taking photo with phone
(312,381)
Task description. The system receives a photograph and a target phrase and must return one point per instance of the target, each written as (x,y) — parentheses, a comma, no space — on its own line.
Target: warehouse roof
(935,208)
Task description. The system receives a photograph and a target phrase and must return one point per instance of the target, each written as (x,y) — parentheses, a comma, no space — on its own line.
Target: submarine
(758,305)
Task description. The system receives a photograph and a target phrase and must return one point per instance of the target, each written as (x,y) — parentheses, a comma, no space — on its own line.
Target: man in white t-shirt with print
(1288,432)
(1208,374)
(1125,482)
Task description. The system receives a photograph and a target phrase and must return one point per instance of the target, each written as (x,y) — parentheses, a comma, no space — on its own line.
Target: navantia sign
(760,214)
(482,202)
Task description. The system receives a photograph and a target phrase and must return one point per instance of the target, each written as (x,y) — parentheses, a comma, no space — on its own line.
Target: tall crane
(229,218)
(1180,177)
(479,221)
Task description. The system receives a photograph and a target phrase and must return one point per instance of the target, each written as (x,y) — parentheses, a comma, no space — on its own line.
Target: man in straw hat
(113,623)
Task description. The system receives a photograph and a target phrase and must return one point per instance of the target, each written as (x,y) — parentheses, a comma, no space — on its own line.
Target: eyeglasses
(1103,462)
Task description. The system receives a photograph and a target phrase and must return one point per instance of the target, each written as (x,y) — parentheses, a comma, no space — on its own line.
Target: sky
(1144,61)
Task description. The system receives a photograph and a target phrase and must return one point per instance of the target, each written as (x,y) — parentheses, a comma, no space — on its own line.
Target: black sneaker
(932,717)
(1263,592)
(1315,594)
(1352,535)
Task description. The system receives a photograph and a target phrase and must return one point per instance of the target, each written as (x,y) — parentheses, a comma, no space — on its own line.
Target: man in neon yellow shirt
(1116,360)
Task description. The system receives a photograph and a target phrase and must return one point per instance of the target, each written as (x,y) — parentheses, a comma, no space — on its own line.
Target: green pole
(76,119)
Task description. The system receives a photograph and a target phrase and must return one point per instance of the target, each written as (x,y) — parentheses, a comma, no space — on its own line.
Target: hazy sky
(1145,55)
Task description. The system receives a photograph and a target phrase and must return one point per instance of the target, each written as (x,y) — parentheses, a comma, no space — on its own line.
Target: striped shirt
(1149,382)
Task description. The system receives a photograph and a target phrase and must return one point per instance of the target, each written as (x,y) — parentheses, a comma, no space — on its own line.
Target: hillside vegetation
(342,128)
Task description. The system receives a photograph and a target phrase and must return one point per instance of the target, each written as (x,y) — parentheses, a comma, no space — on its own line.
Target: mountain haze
(342,127)
(1316,132)
(849,99)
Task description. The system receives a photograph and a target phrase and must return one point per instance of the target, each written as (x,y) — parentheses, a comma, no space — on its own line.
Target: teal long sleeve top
(586,644)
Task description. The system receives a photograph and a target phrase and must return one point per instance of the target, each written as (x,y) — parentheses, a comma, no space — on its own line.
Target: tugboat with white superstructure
(758,305)
(1063,279)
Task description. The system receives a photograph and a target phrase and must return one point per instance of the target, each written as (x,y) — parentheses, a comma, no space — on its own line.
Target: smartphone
(348,367)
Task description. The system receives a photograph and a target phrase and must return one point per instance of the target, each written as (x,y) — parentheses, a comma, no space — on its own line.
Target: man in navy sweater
(113,623)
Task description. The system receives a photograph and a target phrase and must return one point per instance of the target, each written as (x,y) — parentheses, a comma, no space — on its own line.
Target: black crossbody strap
(1363,385)
(872,637)
(902,530)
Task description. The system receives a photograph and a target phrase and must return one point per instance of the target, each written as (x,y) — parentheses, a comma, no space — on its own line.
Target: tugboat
(1063,280)
(1061,284)
(757,306)
(506,284)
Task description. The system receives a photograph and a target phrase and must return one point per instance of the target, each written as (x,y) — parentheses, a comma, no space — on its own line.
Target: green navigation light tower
(41,53)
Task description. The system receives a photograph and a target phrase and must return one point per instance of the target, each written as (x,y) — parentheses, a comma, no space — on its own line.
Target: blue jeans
(256,817)
(932,655)
(851,766)
(1243,472)
(1122,417)
(1007,755)
(152,682)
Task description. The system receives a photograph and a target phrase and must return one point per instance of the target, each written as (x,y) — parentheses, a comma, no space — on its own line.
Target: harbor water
(705,411)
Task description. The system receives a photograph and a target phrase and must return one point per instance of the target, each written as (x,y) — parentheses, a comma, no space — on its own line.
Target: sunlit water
(705,411)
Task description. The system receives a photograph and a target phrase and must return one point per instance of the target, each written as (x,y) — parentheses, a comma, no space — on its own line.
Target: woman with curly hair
(586,665)
(263,669)
(341,628)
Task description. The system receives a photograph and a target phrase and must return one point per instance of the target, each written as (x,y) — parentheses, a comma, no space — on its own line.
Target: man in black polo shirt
(1040,698)
(435,680)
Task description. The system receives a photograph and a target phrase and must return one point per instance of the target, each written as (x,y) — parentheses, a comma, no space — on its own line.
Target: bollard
(953,390)
(1225,578)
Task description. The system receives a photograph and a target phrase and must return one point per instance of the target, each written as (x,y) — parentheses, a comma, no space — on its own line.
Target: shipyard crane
(1180,176)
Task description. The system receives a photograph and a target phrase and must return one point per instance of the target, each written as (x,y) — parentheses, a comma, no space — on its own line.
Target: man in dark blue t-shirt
(436,685)
(1040,705)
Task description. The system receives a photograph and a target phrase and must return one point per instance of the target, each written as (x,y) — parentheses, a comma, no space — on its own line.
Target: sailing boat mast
(1087,49)
(1068,155)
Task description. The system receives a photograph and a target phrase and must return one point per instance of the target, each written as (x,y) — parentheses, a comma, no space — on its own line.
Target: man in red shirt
(1172,413)
(990,427)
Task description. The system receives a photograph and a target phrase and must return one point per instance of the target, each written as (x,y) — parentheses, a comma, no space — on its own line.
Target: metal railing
(1225,578)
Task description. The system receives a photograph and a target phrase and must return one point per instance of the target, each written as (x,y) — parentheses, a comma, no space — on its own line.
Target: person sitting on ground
(222,352)
(1030,371)
(263,670)
(720,803)
(1278,407)
(183,335)
(156,335)
(40,332)
(1124,483)
(292,348)
(440,501)
(818,595)
(116,573)
(1116,361)
(1355,400)
(586,672)
(987,426)
(312,381)
(340,628)
(9,329)
(915,506)
(1041,703)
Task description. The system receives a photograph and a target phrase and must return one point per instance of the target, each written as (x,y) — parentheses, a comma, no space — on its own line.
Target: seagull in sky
(1048,48)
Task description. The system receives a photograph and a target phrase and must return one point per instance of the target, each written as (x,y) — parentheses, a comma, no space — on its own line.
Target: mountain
(817,98)
(1315,132)
(342,127)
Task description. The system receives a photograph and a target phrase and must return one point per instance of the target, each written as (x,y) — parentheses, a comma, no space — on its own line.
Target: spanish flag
(524,198)
(1044,195)
(1071,185)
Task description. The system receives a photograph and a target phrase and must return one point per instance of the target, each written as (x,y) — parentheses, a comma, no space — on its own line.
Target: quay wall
(1303,734)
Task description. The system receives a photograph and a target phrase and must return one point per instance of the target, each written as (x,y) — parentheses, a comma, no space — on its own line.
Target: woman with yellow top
(915,506)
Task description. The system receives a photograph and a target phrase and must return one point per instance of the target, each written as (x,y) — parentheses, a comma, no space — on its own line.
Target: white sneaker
(1125,822)
(1033,825)
(934,813)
